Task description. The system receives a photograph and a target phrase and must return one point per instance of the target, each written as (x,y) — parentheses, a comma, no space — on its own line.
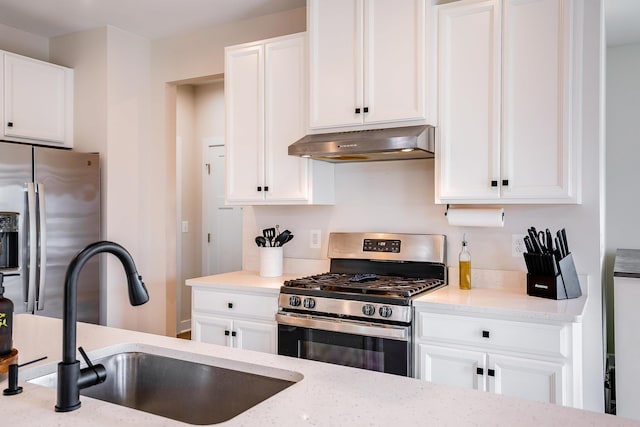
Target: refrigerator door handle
(42,245)
(33,246)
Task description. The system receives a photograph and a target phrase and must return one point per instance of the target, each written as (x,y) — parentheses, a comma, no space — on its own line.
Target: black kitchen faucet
(70,377)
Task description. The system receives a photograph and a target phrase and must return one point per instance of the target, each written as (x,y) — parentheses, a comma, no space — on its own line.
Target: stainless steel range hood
(402,143)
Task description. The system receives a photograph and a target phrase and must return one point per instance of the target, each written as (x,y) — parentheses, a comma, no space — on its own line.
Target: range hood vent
(402,143)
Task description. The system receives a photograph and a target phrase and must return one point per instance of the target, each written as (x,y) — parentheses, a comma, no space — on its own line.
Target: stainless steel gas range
(360,313)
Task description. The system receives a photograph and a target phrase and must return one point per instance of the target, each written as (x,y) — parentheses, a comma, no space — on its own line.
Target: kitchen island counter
(328,395)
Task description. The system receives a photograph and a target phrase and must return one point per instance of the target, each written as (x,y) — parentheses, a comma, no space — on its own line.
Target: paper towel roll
(476,217)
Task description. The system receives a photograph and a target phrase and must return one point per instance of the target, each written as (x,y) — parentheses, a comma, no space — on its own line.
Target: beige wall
(193,55)
(23,43)
(112,117)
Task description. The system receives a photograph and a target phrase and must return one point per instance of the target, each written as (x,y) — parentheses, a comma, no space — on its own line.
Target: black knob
(266,188)
(505,182)
(294,301)
(385,311)
(10,124)
(368,310)
(357,110)
(479,371)
(491,372)
(494,183)
(309,303)
(485,334)
(259,188)
(233,334)
(365,109)
(230,304)
(226,333)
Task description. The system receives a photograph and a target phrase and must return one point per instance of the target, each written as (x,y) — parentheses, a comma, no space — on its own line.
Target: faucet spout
(70,378)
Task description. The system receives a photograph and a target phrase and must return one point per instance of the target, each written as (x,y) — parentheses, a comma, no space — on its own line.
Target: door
(68,193)
(450,366)
(394,60)
(244,116)
(256,336)
(15,173)
(527,379)
(285,88)
(223,224)
(335,61)
(36,99)
(212,330)
(468,159)
(538,153)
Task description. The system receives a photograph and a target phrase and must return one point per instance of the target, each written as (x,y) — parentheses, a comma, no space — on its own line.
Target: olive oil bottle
(6,321)
(464,266)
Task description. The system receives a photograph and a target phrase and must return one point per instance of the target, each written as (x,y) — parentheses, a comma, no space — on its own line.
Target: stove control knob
(294,301)
(385,311)
(368,310)
(309,303)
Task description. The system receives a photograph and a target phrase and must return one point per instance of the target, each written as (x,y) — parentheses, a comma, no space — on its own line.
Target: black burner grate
(365,284)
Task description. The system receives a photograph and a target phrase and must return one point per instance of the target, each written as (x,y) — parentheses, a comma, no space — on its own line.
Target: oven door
(377,347)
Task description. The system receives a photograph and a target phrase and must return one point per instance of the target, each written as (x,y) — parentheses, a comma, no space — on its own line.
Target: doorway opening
(209,234)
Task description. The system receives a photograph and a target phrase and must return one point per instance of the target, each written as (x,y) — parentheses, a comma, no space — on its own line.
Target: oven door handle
(400,333)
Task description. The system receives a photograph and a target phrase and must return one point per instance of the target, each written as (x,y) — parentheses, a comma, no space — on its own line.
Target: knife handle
(564,241)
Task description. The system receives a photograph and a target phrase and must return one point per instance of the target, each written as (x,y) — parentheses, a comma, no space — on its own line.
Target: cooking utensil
(281,239)
(289,238)
(534,240)
(261,241)
(549,241)
(564,241)
(269,234)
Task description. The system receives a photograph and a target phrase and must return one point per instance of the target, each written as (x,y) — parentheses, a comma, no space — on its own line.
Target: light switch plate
(315,239)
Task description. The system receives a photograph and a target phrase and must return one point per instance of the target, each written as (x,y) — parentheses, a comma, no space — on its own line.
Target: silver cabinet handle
(33,246)
(42,215)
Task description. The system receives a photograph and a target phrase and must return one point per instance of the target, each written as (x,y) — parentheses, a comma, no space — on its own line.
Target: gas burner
(365,283)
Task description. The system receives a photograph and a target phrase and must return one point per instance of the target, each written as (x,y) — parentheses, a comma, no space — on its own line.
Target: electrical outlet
(315,239)
(185,226)
(517,245)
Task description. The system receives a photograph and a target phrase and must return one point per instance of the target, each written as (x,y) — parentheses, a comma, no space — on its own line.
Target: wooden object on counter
(10,359)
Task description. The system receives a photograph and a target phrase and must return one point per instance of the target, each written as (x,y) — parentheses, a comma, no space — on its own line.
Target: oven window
(376,354)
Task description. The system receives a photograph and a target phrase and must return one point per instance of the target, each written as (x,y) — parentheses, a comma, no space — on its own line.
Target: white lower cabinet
(234,319)
(526,359)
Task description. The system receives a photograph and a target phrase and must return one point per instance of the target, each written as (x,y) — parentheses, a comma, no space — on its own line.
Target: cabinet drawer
(234,303)
(529,337)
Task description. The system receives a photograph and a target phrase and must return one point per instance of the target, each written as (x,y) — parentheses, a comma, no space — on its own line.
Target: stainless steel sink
(186,391)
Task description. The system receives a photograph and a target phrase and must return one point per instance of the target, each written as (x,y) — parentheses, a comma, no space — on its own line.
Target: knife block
(563,283)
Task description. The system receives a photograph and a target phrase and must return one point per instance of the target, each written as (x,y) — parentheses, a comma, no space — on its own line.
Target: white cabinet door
(367,62)
(212,330)
(450,366)
(394,60)
(468,152)
(539,156)
(506,102)
(335,60)
(244,110)
(285,112)
(528,379)
(38,101)
(256,336)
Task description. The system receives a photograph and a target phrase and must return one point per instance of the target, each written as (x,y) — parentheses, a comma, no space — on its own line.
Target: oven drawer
(529,337)
(234,303)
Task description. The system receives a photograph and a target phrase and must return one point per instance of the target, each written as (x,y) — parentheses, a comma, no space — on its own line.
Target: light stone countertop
(328,395)
(508,302)
(512,303)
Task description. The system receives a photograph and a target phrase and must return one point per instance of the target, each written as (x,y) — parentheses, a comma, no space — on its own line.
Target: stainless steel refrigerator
(53,198)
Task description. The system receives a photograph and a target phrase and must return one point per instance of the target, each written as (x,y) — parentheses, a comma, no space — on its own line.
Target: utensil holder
(271,260)
(550,278)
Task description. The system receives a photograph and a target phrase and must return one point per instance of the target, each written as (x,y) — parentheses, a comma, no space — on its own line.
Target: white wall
(23,43)
(623,153)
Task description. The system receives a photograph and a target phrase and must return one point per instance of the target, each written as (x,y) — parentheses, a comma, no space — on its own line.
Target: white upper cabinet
(367,62)
(37,101)
(508,72)
(265,102)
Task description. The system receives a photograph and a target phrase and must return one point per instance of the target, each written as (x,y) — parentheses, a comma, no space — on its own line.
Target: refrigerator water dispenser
(8,240)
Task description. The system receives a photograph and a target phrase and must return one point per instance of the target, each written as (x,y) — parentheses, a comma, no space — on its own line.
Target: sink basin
(186,391)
